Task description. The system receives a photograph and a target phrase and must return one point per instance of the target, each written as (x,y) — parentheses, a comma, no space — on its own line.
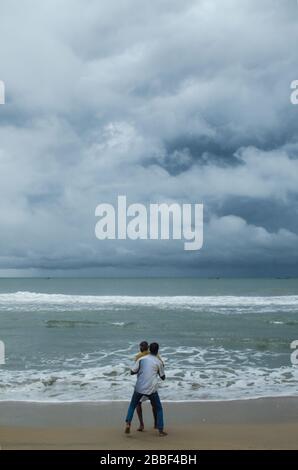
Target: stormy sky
(162,101)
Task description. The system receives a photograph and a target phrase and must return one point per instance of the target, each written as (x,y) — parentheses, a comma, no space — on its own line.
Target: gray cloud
(171,101)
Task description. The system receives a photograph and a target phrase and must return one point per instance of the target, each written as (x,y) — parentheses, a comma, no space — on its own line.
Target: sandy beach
(270,423)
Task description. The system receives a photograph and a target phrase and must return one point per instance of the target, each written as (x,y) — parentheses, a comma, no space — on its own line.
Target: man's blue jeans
(155,402)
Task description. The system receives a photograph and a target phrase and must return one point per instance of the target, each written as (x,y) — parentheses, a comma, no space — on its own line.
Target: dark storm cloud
(168,101)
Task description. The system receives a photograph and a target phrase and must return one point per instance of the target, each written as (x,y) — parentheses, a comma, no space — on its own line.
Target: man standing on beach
(144,351)
(148,368)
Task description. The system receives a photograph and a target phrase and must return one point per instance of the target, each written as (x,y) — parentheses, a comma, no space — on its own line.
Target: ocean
(75,339)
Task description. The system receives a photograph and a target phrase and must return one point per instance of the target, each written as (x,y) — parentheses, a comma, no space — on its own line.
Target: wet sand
(270,423)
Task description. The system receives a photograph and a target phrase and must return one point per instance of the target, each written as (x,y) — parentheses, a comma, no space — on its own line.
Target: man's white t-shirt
(149,369)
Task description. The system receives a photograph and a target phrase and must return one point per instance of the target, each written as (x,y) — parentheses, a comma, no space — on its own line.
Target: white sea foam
(191,374)
(19,299)
(114,382)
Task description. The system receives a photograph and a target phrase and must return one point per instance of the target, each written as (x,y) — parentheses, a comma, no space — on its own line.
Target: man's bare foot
(127,429)
(141,428)
(162,433)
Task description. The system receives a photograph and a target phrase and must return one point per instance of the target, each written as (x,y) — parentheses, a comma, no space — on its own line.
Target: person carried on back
(149,368)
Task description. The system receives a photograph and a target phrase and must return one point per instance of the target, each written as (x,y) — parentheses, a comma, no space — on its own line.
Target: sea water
(75,339)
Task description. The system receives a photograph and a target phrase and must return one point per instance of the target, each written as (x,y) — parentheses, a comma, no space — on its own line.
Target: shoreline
(263,423)
(202,400)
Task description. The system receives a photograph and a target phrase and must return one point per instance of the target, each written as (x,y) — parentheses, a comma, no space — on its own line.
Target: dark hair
(144,346)
(154,347)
